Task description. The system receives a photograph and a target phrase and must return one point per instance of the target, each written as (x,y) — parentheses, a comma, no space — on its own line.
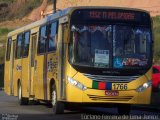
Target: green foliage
(156,32)
(3,35)
(4,31)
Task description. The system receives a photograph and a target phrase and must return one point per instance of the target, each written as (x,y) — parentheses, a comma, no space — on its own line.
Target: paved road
(9,108)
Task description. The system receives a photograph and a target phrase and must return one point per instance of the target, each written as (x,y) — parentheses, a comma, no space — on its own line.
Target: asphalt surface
(11,110)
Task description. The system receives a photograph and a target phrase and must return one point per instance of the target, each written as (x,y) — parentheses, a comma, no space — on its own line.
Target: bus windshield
(110,46)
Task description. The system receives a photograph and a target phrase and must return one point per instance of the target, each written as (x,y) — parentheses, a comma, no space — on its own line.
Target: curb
(147,108)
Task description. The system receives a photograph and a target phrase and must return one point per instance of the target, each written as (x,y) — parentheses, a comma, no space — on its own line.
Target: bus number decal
(119,86)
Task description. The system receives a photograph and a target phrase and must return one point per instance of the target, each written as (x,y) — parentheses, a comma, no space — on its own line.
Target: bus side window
(52,37)
(26,44)
(42,40)
(8,49)
(19,46)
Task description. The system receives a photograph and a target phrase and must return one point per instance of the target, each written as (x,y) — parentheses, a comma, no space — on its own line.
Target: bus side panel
(7,77)
(51,70)
(39,74)
(25,77)
(17,75)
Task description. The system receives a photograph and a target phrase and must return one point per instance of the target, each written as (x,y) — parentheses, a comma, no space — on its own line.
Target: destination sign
(114,15)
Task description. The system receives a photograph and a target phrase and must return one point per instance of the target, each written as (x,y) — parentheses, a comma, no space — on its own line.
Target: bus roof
(62,13)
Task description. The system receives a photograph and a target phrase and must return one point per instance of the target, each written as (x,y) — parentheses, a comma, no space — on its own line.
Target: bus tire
(124,109)
(58,106)
(21,100)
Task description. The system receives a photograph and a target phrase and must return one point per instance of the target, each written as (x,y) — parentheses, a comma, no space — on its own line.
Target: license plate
(111,93)
(119,86)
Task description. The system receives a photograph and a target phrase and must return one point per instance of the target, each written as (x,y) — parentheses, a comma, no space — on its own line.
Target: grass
(3,34)
(4,31)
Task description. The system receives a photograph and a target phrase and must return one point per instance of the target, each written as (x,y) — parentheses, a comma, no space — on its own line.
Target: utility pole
(54,6)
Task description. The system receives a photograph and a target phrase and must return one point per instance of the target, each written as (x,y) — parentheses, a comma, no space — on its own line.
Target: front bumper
(98,96)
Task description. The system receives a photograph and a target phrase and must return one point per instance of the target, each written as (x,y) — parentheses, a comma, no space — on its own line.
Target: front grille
(106,98)
(125,79)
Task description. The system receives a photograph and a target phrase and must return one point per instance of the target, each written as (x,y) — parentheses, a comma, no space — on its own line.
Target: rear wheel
(58,106)
(124,109)
(21,100)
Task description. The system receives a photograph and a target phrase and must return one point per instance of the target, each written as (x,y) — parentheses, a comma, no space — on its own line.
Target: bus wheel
(124,109)
(58,107)
(21,100)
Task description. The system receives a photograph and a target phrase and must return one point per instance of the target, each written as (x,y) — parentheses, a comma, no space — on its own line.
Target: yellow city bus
(85,55)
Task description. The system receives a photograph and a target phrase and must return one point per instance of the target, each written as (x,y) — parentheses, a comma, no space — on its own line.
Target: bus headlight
(144,86)
(76,84)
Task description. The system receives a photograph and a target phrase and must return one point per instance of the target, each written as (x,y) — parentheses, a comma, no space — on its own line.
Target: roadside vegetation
(156,32)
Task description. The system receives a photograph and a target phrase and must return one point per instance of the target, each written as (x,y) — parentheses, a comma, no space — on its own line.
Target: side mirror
(73,28)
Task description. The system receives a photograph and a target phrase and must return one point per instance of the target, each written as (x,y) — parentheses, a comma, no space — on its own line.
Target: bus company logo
(18,68)
(9,117)
(50,66)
